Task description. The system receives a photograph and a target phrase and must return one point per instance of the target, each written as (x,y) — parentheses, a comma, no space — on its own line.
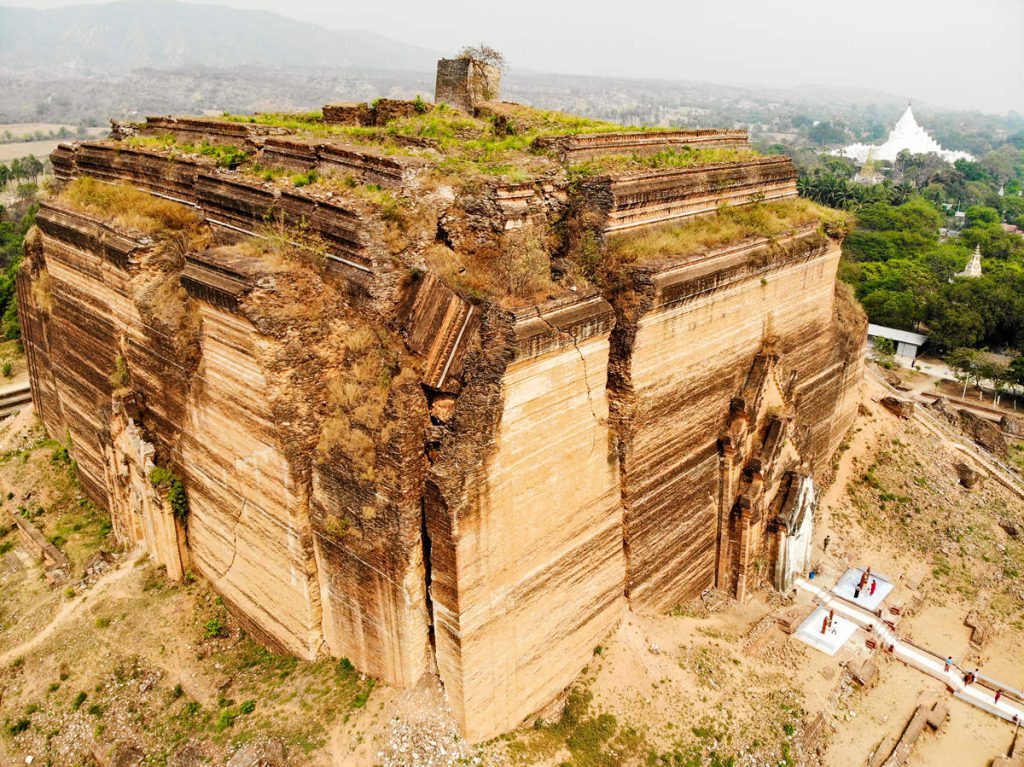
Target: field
(11,150)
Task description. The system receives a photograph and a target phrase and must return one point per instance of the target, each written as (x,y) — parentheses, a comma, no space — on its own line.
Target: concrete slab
(848,583)
(832,640)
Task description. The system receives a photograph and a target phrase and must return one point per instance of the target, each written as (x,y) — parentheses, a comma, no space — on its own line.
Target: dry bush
(277,245)
(524,268)
(515,272)
(358,395)
(42,298)
(852,323)
(119,379)
(129,208)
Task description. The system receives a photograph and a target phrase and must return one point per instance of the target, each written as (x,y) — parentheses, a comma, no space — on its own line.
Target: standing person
(874,583)
(824,624)
(824,545)
(949,662)
(856,591)
(999,694)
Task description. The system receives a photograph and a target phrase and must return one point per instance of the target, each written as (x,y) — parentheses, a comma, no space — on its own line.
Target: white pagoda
(973,268)
(906,134)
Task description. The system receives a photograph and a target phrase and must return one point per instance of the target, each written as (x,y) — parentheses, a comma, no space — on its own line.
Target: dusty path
(70,608)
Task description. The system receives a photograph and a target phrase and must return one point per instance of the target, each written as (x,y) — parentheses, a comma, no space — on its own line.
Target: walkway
(980,694)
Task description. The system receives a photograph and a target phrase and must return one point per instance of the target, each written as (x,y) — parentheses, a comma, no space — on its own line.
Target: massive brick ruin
(440,396)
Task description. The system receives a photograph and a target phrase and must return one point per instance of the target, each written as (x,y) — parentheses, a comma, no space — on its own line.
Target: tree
(1016,369)
(841,167)
(972,171)
(883,352)
(484,54)
(32,167)
(955,325)
(26,192)
(893,309)
(826,133)
(979,214)
(996,374)
(964,364)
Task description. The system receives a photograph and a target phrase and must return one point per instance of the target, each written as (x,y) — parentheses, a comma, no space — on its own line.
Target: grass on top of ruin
(225,155)
(501,145)
(731,224)
(127,207)
(685,157)
(437,121)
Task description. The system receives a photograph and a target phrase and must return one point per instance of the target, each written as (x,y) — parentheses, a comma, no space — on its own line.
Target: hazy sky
(958,53)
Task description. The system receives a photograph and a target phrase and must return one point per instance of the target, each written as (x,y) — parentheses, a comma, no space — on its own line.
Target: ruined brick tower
(465,82)
(439,409)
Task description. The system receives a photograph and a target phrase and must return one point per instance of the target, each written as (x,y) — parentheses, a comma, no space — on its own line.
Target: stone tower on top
(471,78)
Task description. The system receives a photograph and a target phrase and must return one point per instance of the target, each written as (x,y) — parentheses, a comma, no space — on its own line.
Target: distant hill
(121,36)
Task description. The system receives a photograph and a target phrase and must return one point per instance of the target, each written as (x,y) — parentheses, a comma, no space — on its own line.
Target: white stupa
(973,268)
(906,134)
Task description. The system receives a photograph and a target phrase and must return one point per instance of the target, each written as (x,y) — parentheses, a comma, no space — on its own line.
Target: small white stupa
(973,268)
(906,134)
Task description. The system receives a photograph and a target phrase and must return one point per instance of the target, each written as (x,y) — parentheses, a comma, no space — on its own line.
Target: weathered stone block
(465,82)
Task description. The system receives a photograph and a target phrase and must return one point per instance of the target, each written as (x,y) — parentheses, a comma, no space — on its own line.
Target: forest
(14,225)
(916,231)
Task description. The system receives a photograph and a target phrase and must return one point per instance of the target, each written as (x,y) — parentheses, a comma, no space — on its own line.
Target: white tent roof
(903,336)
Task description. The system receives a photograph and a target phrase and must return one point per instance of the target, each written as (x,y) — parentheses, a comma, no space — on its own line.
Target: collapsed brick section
(414,432)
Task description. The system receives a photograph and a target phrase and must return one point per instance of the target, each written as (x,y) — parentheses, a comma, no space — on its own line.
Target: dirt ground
(127,663)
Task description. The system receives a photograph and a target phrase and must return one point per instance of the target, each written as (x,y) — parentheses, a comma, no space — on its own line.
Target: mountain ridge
(129,34)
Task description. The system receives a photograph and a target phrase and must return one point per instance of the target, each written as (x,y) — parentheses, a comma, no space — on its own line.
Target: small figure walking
(856,592)
(874,584)
(824,544)
(824,624)
(999,694)
(949,662)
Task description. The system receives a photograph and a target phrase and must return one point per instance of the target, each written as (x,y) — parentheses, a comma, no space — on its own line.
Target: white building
(906,134)
(907,343)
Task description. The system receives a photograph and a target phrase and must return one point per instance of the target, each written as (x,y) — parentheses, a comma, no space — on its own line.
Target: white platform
(829,643)
(848,582)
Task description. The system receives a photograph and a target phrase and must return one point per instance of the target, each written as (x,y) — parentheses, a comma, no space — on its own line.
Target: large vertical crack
(583,359)
(427,577)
